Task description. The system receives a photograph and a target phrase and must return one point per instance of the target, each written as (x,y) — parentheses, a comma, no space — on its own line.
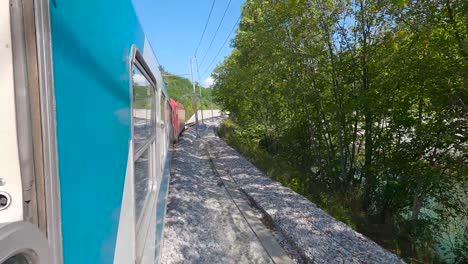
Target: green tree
(363,96)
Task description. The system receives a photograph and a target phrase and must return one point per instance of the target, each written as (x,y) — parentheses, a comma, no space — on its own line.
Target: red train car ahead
(178,119)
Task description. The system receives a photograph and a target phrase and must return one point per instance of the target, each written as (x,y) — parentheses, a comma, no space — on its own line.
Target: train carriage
(178,119)
(85,134)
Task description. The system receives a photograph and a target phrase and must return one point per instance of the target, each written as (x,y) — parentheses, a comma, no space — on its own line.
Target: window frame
(139,62)
(149,144)
(162,112)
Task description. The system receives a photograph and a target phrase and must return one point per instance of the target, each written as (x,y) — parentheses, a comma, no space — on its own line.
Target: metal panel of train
(86,130)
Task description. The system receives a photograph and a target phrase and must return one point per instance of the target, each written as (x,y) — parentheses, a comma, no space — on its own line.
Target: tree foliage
(363,95)
(181,90)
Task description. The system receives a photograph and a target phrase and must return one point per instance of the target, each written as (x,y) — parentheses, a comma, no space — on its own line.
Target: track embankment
(208,220)
(317,236)
(209,224)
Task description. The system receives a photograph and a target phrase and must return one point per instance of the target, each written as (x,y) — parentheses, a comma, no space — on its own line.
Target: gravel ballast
(203,225)
(316,235)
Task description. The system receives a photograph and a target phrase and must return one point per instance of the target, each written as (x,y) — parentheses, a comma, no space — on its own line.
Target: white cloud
(208,82)
(139,79)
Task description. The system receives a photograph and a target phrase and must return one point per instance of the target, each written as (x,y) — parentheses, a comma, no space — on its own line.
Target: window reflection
(143,113)
(142,182)
(163,110)
(18,259)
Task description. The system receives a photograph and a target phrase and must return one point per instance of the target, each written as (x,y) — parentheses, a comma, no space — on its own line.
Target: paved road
(203,224)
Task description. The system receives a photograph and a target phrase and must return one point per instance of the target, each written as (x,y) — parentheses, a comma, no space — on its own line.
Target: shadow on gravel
(319,237)
(201,222)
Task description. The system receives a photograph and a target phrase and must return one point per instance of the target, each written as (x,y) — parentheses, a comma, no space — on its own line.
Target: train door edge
(30,225)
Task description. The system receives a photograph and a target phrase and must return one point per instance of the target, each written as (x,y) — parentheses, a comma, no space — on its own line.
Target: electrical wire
(222,46)
(206,25)
(216,33)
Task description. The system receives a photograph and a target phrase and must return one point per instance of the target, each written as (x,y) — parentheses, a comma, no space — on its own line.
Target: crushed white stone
(315,234)
(202,223)
(203,226)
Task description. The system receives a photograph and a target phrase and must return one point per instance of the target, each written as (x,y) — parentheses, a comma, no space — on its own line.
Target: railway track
(222,209)
(208,219)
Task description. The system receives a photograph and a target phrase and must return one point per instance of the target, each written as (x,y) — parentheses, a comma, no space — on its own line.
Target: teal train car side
(85,134)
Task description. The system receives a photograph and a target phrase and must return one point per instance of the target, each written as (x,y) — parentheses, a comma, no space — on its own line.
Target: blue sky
(174,29)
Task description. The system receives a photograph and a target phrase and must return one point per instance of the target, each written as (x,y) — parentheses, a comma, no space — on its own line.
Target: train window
(168,111)
(163,110)
(144,137)
(18,259)
(168,119)
(143,109)
(142,182)
(168,116)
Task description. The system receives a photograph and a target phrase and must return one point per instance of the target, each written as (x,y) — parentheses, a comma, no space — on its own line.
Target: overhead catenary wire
(222,46)
(206,25)
(216,33)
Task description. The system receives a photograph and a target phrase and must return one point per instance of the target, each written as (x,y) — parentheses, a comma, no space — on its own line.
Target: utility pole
(201,97)
(201,106)
(194,97)
(211,105)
